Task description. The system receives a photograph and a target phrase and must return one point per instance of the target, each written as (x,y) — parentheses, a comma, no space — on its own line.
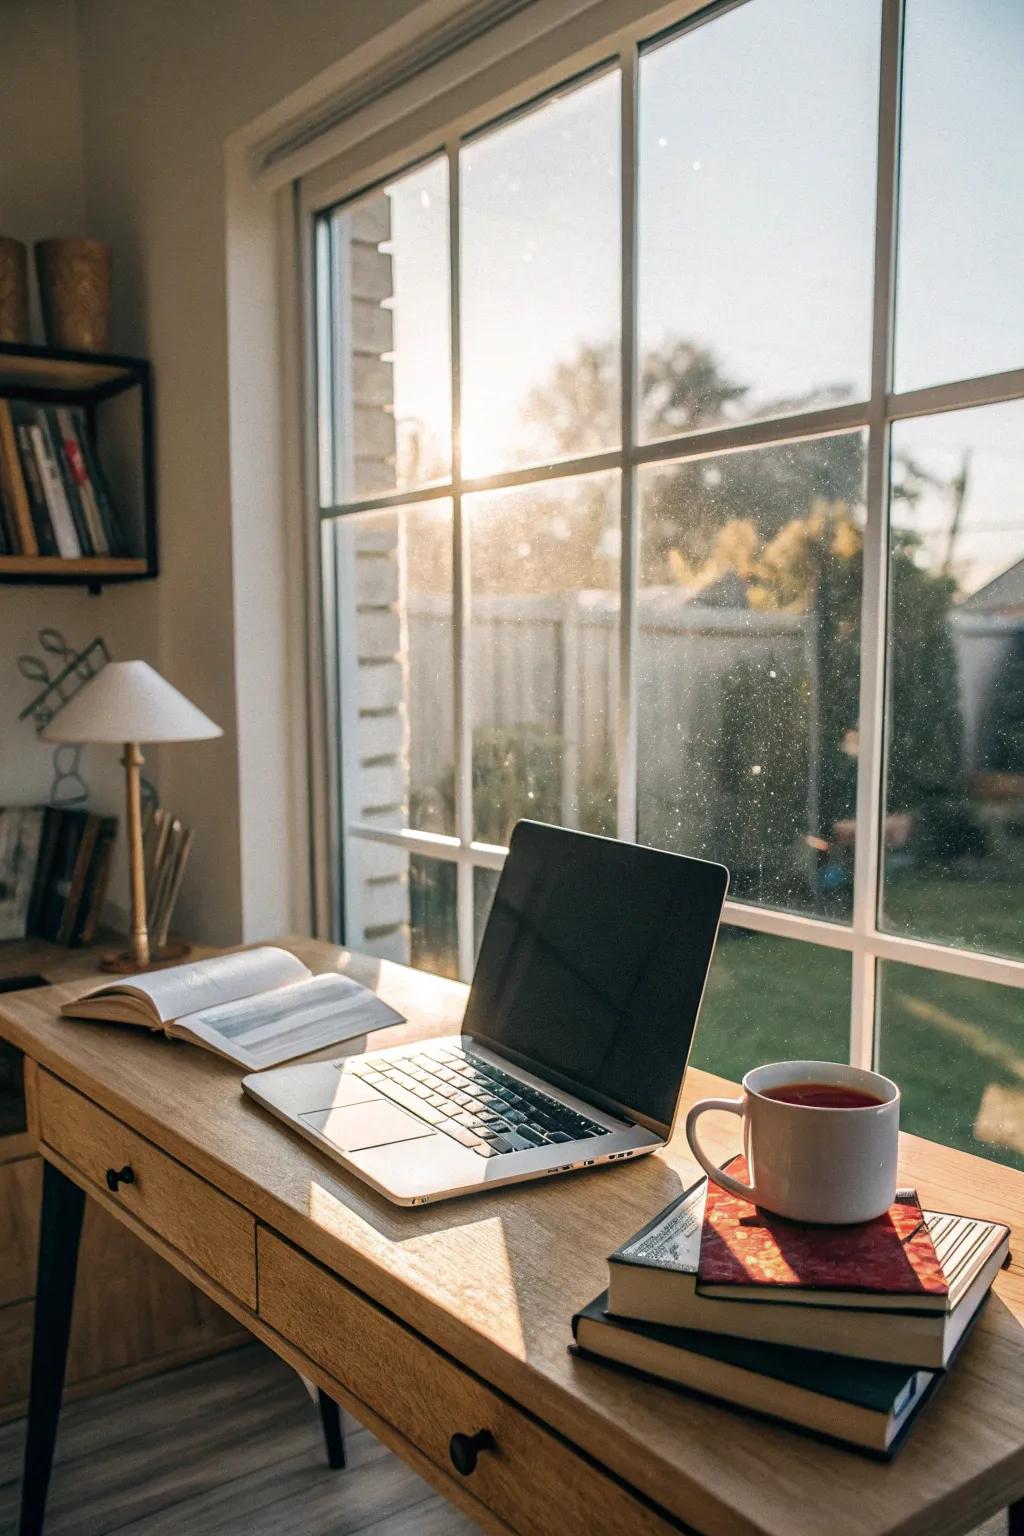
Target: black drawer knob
(116,1176)
(464,1450)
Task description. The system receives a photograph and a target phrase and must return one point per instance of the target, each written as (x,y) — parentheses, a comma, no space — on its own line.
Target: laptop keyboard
(474,1102)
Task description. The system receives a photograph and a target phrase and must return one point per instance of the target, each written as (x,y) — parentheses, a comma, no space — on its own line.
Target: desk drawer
(530,1479)
(205,1225)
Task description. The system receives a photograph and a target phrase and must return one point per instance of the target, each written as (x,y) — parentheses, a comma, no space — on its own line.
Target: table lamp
(129,702)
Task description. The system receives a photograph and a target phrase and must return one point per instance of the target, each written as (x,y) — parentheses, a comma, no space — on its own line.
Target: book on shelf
(36,494)
(859,1402)
(654,1277)
(256,1007)
(50,425)
(109,518)
(12,487)
(97,878)
(54,495)
(64,531)
(61,874)
(79,482)
(52,820)
(21,834)
(166,848)
(84,853)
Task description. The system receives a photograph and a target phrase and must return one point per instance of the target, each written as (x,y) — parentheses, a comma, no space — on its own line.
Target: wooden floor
(228,1447)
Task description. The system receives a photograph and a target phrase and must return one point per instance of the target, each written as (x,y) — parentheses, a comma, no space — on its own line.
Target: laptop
(574,1043)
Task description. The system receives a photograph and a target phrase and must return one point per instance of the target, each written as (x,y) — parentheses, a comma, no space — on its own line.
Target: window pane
(954,860)
(540,283)
(395,666)
(772,999)
(757,148)
(392,388)
(954,1047)
(544,619)
(960,301)
(748,666)
(433,921)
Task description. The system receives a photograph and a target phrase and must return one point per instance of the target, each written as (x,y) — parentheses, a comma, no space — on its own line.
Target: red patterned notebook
(745,1251)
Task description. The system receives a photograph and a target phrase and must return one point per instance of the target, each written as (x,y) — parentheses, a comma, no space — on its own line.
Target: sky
(757,141)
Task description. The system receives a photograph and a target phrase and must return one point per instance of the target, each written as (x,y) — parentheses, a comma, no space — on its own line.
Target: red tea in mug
(822,1096)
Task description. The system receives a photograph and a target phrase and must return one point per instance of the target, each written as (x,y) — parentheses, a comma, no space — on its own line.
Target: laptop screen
(593,964)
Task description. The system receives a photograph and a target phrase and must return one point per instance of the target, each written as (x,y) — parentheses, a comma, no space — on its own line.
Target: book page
(262,1031)
(182,989)
(673,1241)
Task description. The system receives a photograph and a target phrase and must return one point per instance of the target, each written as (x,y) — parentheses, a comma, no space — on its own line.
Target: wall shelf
(91,568)
(116,393)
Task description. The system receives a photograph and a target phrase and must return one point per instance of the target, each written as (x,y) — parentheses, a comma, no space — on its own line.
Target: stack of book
(54,869)
(54,497)
(166,845)
(844,1331)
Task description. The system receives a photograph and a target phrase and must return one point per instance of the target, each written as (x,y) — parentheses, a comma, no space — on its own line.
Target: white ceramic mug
(806,1162)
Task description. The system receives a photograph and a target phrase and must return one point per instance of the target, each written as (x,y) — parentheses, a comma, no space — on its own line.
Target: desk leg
(334,1439)
(1015,1519)
(60,1226)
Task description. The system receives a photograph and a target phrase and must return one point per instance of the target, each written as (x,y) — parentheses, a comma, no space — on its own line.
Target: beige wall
(42,192)
(162,85)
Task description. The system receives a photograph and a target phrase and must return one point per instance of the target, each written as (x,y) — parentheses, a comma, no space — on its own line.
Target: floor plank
(227,1447)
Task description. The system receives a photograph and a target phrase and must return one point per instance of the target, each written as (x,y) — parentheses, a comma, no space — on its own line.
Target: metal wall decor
(75,670)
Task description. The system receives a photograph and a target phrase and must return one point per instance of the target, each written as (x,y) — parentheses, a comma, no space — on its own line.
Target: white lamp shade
(129,701)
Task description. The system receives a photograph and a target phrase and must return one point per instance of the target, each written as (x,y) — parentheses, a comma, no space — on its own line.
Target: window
(672,487)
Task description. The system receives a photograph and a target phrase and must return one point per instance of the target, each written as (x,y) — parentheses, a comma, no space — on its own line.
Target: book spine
(44,865)
(62,871)
(79,876)
(116,541)
(53,432)
(79,474)
(6,534)
(96,883)
(12,482)
(36,495)
(64,531)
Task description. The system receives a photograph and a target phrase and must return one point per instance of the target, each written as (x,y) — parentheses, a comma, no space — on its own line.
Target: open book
(257,1007)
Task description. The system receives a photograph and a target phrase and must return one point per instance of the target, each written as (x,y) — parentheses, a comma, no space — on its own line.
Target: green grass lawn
(974,903)
(772,999)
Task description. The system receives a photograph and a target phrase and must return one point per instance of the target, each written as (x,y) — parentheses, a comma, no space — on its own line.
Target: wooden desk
(166,1321)
(455,1318)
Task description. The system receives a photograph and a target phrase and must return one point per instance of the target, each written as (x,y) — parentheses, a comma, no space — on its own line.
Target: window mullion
(871,765)
(626,723)
(463,744)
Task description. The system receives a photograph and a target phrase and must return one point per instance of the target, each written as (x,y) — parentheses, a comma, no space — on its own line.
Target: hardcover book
(859,1402)
(12,487)
(21,830)
(746,1251)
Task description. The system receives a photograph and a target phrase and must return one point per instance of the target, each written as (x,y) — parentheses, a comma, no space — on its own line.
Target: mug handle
(724,1180)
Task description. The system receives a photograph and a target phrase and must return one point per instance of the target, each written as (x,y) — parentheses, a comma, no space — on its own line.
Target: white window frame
(862,939)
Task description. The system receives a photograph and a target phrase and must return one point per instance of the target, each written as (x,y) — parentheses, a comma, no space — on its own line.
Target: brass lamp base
(124,963)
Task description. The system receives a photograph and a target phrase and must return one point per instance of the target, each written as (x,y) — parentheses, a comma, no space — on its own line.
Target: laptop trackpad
(374,1124)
